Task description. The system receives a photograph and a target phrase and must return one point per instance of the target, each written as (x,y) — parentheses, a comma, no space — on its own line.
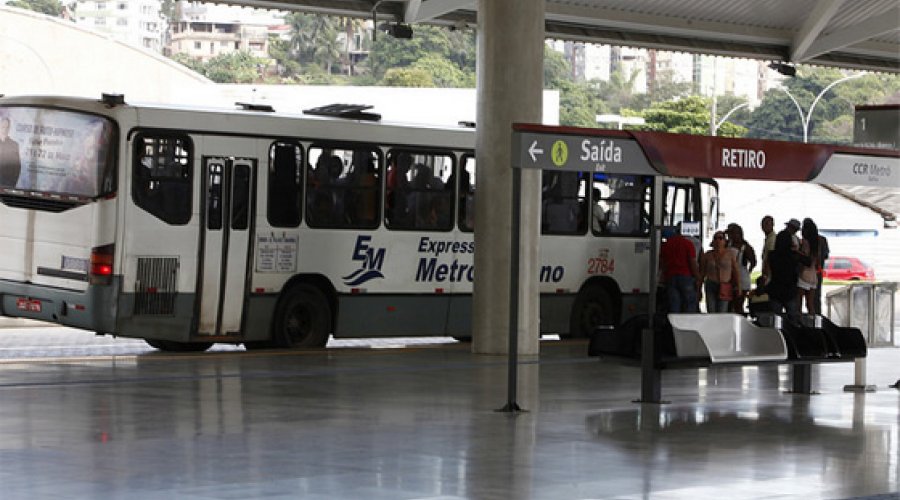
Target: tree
(280,51)
(190,62)
(618,92)
(665,88)
(578,102)
(233,67)
(457,47)
(689,115)
(777,116)
(50,7)
(443,72)
(407,77)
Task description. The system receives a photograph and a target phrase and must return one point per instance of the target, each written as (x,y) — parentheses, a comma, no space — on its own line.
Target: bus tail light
(102,264)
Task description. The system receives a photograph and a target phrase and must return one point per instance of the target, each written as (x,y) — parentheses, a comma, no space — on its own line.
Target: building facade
(135,22)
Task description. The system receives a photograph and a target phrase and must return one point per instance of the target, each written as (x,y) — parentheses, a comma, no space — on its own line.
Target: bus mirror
(713,215)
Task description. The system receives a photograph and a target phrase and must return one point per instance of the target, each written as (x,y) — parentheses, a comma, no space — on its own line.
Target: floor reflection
(842,446)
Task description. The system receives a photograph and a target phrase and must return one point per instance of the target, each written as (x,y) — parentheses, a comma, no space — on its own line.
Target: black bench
(724,340)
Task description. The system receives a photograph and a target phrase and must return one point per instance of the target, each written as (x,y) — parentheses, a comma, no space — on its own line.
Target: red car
(848,268)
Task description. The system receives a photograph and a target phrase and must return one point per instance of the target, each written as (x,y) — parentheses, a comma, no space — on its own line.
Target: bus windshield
(53,151)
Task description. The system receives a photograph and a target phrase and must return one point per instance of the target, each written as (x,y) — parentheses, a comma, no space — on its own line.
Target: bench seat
(725,338)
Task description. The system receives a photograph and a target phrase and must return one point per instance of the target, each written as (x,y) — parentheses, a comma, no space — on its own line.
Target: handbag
(726,291)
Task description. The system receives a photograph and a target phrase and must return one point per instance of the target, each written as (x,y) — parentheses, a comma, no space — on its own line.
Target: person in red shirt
(680,272)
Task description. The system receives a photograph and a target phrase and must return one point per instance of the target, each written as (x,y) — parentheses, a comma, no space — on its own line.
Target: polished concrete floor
(419,423)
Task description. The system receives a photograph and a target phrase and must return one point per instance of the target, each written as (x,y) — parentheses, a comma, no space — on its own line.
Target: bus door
(227,198)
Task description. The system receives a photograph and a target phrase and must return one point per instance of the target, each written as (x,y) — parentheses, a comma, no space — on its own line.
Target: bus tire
(172,346)
(302,318)
(593,307)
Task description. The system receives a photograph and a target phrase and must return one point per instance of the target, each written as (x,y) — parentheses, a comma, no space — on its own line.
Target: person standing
(10,163)
(782,286)
(720,272)
(746,260)
(809,260)
(768,228)
(793,227)
(824,252)
(680,273)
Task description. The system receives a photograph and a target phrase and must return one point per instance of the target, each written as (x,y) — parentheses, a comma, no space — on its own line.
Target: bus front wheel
(172,346)
(593,307)
(302,319)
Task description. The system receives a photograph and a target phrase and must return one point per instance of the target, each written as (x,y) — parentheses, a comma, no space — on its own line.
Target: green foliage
(190,62)
(407,77)
(579,104)
(777,117)
(49,7)
(689,115)
(665,88)
(618,91)
(443,72)
(234,67)
(433,49)
(557,69)
(280,51)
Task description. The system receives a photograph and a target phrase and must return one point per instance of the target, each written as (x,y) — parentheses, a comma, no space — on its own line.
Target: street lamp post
(804,120)
(713,125)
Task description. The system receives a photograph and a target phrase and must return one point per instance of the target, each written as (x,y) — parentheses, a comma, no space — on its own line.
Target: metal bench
(726,338)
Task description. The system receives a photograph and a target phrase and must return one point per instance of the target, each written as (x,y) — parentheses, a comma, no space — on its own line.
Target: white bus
(187,227)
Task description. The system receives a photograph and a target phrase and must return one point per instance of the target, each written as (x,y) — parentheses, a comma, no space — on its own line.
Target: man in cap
(793,226)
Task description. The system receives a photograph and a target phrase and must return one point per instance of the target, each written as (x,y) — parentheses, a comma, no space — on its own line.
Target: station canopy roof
(860,34)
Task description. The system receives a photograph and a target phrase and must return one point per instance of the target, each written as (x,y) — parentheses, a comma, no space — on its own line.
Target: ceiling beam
(812,27)
(859,32)
(606,18)
(424,10)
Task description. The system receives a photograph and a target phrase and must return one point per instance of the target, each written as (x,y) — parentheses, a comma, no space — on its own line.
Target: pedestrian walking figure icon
(559,153)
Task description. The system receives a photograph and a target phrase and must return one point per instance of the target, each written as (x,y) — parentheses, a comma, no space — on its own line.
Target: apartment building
(135,22)
(204,31)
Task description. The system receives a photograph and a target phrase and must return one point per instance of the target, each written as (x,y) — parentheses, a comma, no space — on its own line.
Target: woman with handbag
(808,272)
(720,273)
(746,258)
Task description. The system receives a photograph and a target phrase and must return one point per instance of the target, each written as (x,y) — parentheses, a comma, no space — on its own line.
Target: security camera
(783,68)
(397,30)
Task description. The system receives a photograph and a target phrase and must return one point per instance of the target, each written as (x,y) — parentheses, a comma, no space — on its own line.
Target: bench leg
(651,375)
(801,379)
(859,378)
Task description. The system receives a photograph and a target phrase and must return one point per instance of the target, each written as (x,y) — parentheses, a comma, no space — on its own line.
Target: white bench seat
(725,338)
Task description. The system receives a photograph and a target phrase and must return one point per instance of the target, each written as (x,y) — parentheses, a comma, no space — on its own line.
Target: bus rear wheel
(172,346)
(302,318)
(593,307)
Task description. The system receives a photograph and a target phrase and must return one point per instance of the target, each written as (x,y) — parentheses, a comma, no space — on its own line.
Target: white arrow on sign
(534,150)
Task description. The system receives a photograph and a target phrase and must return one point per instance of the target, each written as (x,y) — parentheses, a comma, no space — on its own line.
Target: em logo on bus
(559,153)
(371,261)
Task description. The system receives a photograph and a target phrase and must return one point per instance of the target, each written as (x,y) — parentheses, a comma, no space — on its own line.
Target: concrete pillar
(510,84)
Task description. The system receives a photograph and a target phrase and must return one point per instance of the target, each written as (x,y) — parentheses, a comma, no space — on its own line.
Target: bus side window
(626,201)
(343,188)
(563,203)
(283,207)
(418,196)
(162,176)
(363,189)
(466,199)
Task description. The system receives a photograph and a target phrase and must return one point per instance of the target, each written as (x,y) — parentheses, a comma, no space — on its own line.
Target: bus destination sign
(548,151)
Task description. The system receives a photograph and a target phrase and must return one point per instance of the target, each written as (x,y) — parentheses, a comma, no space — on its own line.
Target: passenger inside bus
(627,212)
(397,188)
(599,213)
(419,200)
(561,206)
(362,195)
